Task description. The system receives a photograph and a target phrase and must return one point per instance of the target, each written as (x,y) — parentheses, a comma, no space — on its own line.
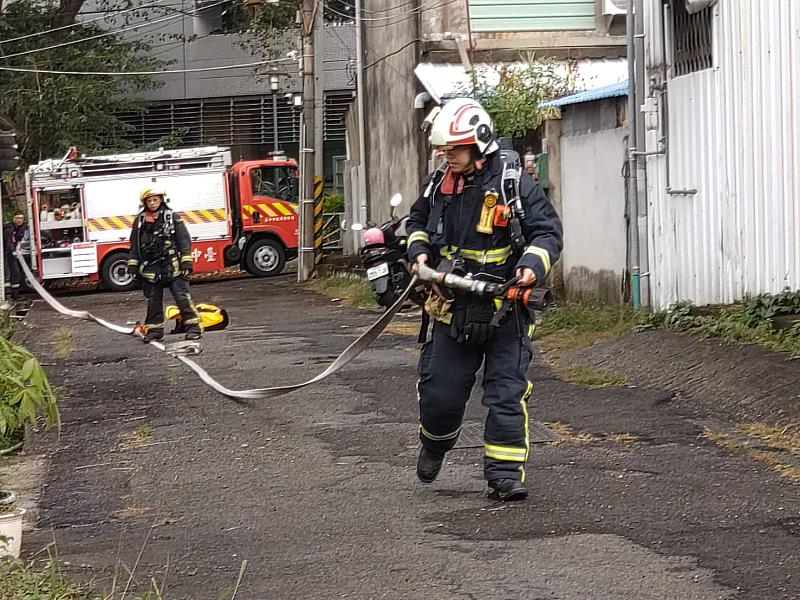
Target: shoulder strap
(512,171)
(169,219)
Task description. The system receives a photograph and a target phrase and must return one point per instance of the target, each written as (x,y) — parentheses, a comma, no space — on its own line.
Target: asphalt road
(316,490)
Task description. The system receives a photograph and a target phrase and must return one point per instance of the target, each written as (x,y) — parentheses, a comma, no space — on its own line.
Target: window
(531,15)
(274,182)
(691,39)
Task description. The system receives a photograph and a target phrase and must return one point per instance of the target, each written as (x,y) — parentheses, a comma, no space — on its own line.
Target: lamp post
(274,84)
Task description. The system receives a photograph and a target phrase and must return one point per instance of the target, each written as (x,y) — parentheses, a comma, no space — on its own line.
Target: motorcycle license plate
(380,271)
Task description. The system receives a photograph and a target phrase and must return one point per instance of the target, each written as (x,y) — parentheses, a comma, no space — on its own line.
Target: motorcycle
(384,259)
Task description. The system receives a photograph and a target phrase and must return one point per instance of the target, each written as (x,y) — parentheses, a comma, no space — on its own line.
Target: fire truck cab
(82,210)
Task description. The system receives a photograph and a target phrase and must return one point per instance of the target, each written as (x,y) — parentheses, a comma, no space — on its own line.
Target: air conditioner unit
(615,7)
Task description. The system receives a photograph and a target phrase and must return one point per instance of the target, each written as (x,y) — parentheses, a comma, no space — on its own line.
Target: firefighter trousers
(154,292)
(447,372)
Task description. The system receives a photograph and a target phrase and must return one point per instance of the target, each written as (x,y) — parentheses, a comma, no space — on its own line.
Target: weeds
(25,392)
(769,458)
(63,343)
(746,324)
(578,325)
(141,436)
(353,289)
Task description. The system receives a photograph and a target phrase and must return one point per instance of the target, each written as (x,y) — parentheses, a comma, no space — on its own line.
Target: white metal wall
(735,138)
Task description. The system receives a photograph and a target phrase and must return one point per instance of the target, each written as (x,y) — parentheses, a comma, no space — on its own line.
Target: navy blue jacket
(489,253)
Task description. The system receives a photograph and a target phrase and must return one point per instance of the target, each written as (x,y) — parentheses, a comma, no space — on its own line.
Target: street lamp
(274,84)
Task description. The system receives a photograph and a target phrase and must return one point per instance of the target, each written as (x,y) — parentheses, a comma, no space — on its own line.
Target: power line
(131,73)
(420,9)
(38,33)
(400,49)
(108,33)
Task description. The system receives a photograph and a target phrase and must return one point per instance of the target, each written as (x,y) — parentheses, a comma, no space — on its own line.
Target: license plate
(379,271)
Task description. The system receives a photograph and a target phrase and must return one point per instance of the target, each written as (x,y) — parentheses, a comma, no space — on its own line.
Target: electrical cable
(400,49)
(418,10)
(132,73)
(108,33)
(76,24)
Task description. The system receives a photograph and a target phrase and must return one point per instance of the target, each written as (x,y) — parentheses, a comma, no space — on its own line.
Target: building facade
(722,148)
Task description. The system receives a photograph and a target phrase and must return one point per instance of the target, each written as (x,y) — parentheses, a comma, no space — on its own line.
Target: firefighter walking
(161,255)
(465,221)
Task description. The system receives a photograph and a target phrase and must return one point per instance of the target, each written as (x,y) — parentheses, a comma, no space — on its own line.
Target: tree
(51,112)
(513,95)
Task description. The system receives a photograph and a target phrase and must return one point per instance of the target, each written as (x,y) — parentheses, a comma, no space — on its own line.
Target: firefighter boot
(194,331)
(507,489)
(428,465)
(153,335)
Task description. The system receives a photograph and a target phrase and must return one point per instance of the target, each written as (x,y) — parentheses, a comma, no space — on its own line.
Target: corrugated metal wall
(531,15)
(735,138)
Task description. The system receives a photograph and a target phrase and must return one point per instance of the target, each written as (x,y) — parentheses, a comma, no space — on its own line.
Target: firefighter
(161,255)
(460,223)
(13,235)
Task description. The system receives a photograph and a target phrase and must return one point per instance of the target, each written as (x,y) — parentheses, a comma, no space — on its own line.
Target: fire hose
(426,274)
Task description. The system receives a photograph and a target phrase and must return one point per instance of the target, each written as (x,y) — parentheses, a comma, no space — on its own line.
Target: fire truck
(82,209)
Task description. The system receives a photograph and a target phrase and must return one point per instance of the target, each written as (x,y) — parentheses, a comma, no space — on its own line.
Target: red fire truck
(82,208)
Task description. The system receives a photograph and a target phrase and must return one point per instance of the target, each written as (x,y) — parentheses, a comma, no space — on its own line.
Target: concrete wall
(592,198)
(394,148)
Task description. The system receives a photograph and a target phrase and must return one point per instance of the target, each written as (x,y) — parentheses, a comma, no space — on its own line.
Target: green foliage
(746,324)
(767,306)
(52,112)
(353,289)
(333,202)
(24,580)
(581,324)
(25,392)
(513,96)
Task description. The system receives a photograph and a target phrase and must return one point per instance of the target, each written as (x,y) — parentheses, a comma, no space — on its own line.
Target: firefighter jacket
(456,206)
(162,248)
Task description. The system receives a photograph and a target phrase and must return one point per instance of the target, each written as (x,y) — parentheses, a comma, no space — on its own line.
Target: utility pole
(319,124)
(306,263)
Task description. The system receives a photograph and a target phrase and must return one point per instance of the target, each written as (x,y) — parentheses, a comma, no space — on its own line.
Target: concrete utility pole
(305,268)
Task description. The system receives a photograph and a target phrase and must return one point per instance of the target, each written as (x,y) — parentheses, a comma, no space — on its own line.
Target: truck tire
(265,257)
(114,273)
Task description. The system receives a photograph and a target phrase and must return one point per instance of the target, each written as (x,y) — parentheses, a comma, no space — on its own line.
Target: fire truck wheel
(265,257)
(114,272)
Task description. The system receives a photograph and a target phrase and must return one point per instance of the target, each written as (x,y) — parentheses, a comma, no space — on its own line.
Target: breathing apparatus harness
(480,317)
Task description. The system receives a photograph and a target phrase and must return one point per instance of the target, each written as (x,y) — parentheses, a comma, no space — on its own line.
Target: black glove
(133,270)
(186,269)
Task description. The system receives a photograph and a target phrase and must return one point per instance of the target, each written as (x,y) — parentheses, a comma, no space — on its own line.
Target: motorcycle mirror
(396,200)
(357,227)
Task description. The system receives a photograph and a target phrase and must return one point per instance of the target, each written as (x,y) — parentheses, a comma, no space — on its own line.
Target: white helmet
(463,121)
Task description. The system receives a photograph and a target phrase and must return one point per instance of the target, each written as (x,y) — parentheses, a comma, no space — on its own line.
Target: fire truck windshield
(275,182)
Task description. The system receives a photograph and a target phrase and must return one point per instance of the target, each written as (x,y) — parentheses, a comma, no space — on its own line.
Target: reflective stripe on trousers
(447,373)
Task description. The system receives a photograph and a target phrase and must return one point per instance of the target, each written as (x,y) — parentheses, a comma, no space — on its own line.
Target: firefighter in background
(161,255)
(459,224)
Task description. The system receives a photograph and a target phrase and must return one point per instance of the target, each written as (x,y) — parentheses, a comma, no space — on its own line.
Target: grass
(63,342)
(569,436)
(137,438)
(741,324)
(353,289)
(783,438)
(579,325)
(25,580)
(767,457)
